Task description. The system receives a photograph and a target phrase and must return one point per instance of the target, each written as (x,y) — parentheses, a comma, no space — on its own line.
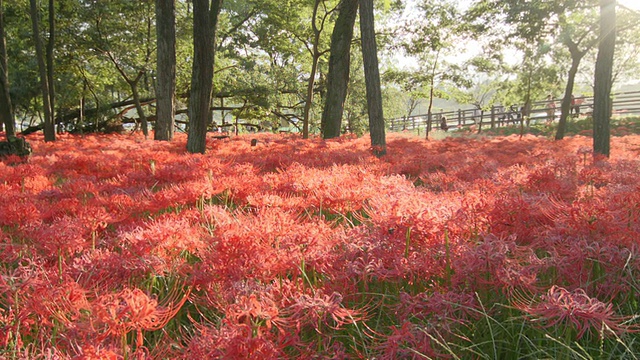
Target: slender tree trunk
(602,103)
(49,56)
(565,107)
(315,53)
(136,99)
(372,78)
(166,69)
(81,110)
(432,84)
(338,75)
(205,20)
(6,111)
(49,128)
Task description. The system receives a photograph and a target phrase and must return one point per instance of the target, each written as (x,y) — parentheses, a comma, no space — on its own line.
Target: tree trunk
(166,69)
(49,127)
(372,78)
(6,112)
(136,100)
(338,75)
(565,107)
(49,58)
(315,53)
(432,84)
(205,20)
(602,103)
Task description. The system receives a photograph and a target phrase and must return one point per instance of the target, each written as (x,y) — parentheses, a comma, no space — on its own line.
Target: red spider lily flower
(498,262)
(408,341)
(447,308)
(95,353)
(163,238)
(64,302)
(320,308)
(572,308)
(231,342)
(135,310)
(256,313)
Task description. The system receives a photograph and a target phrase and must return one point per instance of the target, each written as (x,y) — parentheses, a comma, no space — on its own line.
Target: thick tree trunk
(205,20)
(602,103)
(372,78)
(166,69)
(338,75)
(49,127)
(6,110)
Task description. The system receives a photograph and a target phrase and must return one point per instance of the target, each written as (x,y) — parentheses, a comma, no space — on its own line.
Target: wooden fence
(624,104)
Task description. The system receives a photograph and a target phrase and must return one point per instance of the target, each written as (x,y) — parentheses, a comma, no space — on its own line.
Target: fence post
(493,117)
(459,117)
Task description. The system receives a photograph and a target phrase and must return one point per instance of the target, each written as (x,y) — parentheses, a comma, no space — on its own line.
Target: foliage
(491,247)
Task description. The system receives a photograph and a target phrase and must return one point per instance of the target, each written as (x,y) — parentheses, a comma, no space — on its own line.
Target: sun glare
(630,4)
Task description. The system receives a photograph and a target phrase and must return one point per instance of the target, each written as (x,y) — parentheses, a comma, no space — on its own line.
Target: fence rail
(624,104)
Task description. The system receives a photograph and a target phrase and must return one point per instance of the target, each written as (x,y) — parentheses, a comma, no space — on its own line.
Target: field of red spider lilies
(115,247)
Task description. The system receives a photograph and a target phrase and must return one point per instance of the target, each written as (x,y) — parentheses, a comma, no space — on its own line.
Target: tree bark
(6,111)
(49,58)
(338,75)
(565,107)
(49,127)
(602,103)
(431,96)
(166,69)
(372,78)
(205,19)
(315,54)
(136,100)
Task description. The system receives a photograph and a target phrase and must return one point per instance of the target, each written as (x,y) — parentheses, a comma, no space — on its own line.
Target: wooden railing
(624,104)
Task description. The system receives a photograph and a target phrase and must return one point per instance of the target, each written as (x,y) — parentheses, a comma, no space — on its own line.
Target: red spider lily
(101,269)
(264,244)
(234,342)
(63,236)
(442,309)
(408,341)
(96,353)
(65,302)
(516,213)
(163,238)
(321,309)
(118,314)
(572,308)
(18,210)
(498,262)
(257,314)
